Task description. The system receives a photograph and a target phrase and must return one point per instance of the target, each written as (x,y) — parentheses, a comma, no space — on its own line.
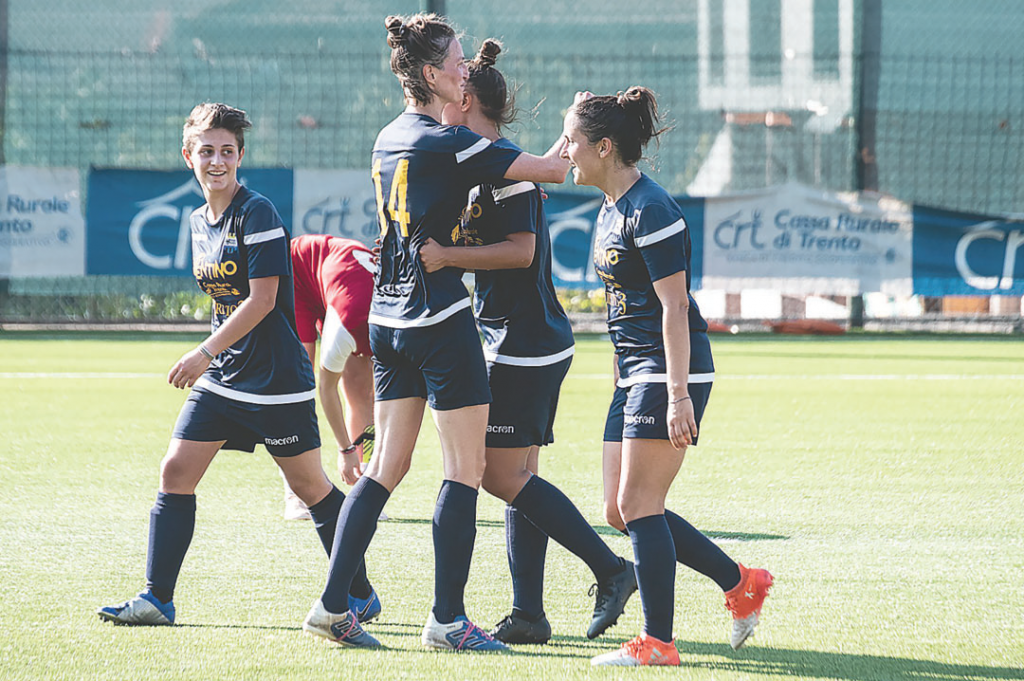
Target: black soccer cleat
(612,594)
(517,628)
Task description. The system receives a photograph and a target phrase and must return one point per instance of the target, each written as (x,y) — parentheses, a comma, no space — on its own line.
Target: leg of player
(648,468)
(305,475)
(171,523)
(552,512)
(398,425)
(462,434)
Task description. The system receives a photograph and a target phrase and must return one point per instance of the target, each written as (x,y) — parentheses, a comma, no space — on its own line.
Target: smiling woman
(251,379)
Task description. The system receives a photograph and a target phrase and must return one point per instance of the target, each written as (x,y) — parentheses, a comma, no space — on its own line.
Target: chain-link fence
(759,92)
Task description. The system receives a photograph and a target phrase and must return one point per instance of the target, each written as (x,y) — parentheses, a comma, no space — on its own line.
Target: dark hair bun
(397,31)
(488,54)
(634,95)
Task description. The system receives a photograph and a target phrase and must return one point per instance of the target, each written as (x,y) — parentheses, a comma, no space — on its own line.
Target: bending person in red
(333,286)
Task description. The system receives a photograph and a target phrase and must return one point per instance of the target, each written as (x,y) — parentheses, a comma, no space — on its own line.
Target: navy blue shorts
(638,412)
(442,363)
(523,403)
(284,429)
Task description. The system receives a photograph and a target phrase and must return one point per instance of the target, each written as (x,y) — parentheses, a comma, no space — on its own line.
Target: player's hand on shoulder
(432,255)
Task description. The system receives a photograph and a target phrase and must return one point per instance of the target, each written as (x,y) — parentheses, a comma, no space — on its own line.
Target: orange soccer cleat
(745,601)
(641,651)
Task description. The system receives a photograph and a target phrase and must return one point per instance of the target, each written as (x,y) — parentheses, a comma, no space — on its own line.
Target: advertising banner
(966,254)
(42,233)
(335,202)
(799,240)
(139,219)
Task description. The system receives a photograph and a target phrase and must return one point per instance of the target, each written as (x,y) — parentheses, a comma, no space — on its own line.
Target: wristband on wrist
(349,449)
(206,353)
(684,397)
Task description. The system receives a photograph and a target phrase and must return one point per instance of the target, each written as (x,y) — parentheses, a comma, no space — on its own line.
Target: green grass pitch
(880,479)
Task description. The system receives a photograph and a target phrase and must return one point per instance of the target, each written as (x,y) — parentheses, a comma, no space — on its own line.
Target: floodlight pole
(867,115)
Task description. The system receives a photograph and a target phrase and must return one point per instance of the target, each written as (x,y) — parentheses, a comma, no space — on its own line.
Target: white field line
(840,377)
(76,375)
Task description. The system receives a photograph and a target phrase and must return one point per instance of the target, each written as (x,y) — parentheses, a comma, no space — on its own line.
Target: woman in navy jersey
(663,371)
(528,345)
(422,333)
(251,380)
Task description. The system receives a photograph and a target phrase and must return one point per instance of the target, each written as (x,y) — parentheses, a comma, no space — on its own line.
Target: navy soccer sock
(171,523)
(357,521)
(696,551)
(454,534)
(527,547)
(550,510)
(655,556)
(325,520)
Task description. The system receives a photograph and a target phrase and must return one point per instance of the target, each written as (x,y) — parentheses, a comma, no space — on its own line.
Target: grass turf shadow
(826,665)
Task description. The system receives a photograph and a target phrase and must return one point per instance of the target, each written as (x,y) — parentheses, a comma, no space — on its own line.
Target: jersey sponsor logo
(501,430)
(211,269)
(639,419)
(279,441)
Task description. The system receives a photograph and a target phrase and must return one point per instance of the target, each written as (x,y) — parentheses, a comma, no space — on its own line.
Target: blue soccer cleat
(143,610)
(459,635)
(365,609)
(343,629)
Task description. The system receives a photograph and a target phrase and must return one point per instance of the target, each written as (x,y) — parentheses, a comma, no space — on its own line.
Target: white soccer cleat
(459,635)
(143,610)
(341,628)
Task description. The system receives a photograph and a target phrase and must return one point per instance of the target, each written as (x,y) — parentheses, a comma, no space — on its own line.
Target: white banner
(799,240)
(336,202)
(42,228)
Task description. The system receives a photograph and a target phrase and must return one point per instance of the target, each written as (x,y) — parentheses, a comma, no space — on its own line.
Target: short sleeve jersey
(267,365)
(422,172)
(640,239)
(518,312)
(329,272)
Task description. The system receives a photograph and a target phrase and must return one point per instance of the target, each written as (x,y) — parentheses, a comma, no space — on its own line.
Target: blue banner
(966,254)
(571,220)
(137,220)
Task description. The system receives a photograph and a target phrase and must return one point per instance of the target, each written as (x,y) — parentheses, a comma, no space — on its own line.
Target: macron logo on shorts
(501,430)
(279,441)
(639,419)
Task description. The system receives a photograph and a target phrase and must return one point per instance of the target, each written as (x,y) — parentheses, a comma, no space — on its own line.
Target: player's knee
(176,475)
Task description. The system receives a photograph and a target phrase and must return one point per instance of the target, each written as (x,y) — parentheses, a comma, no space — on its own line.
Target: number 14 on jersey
(397,201)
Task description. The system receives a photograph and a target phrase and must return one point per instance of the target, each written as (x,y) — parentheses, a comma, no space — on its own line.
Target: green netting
(108,83)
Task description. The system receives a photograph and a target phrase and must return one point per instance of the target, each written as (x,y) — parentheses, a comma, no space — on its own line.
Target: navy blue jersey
(641,239)
(518,312)
(422,171)
(268,365)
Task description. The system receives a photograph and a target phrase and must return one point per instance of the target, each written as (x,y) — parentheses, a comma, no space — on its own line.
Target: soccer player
(333,286)
(663,372)
(528,347)
(251,381)
(425,344)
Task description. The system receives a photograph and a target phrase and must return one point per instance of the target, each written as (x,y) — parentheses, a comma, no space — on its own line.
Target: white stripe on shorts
(260,237)
(663,378)
(250,398)
(544,361)
(437,318)
(662,234)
